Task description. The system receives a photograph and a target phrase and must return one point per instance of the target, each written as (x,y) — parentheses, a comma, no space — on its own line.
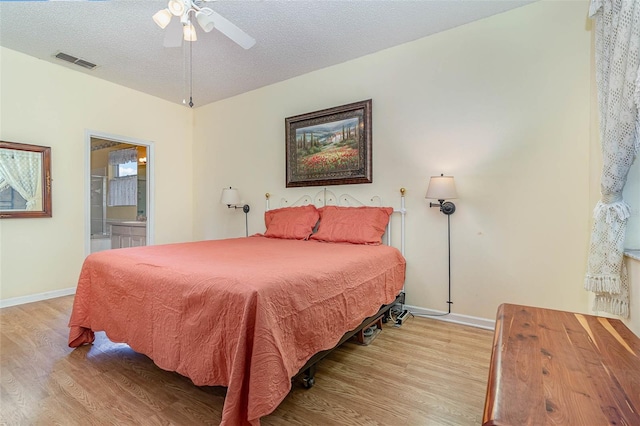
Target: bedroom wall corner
(47,104)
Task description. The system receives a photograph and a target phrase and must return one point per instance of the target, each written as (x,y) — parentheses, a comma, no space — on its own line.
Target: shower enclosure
(99,206)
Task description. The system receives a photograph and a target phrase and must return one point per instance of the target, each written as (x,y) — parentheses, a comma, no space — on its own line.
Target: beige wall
(502,104)
(47,104)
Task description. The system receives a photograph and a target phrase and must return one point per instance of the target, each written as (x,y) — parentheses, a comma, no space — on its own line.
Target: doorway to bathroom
(119,211)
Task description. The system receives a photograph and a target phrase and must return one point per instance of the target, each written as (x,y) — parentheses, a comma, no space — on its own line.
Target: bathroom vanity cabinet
(128,234)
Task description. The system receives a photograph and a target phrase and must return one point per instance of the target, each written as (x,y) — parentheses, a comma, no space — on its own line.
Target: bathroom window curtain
(123,156)
(617,25)
(22,170)
(123,191)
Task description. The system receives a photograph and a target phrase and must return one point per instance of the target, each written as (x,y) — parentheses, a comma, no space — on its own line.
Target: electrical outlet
(402,317)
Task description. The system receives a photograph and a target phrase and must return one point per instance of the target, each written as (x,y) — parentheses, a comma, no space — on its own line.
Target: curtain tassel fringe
(613,306)
(602,284)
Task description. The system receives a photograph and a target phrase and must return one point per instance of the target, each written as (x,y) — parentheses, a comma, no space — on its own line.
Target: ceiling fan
(185,10)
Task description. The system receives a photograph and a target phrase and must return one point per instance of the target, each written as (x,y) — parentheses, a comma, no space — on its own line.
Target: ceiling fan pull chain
(208,20)
(190,75)
(185,75)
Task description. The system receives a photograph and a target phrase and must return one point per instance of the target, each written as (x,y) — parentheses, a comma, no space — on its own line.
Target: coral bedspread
(244,313)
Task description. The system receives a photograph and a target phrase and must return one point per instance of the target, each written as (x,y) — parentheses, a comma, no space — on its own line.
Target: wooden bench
(560,368)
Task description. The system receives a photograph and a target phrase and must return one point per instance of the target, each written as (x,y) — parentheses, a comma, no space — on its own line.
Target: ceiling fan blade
(227,28)
(173,34)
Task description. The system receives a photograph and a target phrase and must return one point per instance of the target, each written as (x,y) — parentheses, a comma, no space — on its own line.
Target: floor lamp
(231,198)
(443,188)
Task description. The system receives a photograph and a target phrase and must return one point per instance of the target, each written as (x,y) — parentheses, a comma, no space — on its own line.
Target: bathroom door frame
(89,134)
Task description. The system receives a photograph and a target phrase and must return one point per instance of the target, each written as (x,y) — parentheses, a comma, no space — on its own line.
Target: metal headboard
(328,198)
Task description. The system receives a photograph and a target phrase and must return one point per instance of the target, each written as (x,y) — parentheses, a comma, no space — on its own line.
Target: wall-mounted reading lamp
(231,197)
(443,188)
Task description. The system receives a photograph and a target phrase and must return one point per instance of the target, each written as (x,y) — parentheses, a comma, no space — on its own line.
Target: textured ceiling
(293,38)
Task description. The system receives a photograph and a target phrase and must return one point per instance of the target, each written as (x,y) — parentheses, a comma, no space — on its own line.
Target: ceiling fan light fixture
(176,7)
(162,18)
(189,32)
(207,18)
(204,18)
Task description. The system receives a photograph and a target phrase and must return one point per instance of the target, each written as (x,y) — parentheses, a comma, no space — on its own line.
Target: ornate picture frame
(25,180)
(329,147)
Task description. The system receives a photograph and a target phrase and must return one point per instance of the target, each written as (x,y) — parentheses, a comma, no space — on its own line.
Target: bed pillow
(294,223)
(356,225)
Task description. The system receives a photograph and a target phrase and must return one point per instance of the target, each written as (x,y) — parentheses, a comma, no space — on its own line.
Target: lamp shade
(230,197)
(204,18)
(441,188)
(189,32)
(162,18)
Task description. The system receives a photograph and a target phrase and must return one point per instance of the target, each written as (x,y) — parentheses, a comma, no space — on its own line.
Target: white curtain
(123,191)
(123,156)
(617,24)
(22,170)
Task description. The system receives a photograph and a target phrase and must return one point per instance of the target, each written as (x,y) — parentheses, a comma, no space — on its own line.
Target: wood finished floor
(425,373)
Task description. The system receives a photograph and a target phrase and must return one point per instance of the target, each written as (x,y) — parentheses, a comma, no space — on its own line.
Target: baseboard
(484,323)
(36,297)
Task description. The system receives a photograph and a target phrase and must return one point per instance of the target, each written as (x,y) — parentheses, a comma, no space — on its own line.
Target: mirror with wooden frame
(25,180)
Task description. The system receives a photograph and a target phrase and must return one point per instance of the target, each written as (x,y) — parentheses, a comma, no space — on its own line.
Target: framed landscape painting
(329,147)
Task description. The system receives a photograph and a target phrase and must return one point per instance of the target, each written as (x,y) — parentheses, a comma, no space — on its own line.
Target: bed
(245,313)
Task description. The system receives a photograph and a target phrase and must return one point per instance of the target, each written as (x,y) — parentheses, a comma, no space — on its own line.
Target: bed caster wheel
(308,382)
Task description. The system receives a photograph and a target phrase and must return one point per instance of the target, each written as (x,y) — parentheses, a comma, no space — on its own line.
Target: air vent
(66,57)
(85,64)
(72,59)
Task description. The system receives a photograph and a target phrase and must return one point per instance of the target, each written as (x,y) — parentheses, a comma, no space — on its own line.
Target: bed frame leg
(309,377)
